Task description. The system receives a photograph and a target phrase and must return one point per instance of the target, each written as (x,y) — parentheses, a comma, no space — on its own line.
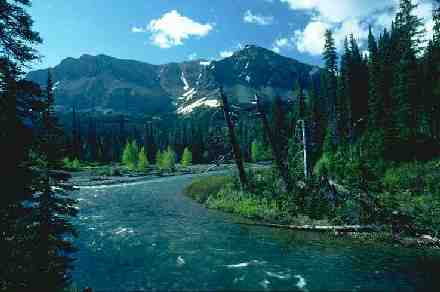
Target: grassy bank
(263,203)
(405,200)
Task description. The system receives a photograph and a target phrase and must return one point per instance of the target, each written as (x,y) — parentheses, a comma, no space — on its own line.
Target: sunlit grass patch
(203,188)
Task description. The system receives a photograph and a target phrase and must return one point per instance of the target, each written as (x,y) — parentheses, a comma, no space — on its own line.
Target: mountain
(111,86)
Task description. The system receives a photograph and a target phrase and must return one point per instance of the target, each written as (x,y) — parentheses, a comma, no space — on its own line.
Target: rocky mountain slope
(111,86)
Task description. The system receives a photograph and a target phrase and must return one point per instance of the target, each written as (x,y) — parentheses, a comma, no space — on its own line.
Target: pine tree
(375,102)
(159,159)
(143,162)
(405,89)
(343,99)
(330,58)
(52,247)
(279,124)
(186,158)
(358,90)
(435,75)
(167,159)
(130,155)
(17,41)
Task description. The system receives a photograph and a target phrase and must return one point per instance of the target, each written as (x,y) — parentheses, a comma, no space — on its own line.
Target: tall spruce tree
(375,102)
(17,41)
(331,70)
(53,247)
(408,31)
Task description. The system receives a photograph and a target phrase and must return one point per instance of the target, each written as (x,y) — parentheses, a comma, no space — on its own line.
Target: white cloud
(172,29)
(280,44)
(226,54)
(137,29)
(249,17)
(311,39)
(337,11)
(346,17)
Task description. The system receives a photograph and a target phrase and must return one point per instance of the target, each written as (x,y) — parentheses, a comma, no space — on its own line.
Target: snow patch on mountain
(184,81)
(199,103)
(205,63)
(188,95)
(56,85)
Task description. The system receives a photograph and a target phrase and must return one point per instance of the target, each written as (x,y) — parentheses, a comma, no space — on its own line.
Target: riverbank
(117,174)
(220,192)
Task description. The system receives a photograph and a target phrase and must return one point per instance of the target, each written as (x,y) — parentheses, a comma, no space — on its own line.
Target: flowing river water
(148,236)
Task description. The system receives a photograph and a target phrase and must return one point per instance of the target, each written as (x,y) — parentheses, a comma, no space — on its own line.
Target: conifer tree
(405,112)
(143,162)
(159,159)
(52,247)
(130,155)
(17,41)
(375,102)
(186,158)
(330,58)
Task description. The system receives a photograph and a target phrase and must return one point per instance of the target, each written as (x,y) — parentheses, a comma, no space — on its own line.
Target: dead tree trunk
(235,146)
(305,140)
(281,166)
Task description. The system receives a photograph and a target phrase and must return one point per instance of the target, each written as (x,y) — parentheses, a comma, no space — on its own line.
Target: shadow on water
(149,236)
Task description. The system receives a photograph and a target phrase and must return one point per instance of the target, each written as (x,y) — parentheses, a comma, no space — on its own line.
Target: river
(148,236)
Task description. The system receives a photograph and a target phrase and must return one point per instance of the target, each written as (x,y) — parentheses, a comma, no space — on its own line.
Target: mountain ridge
(110,85)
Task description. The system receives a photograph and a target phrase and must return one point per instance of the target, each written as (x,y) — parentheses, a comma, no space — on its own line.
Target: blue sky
(162,31)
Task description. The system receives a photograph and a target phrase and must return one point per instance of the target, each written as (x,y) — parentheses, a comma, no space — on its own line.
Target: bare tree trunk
(235,146)
(305,149)
(282,167)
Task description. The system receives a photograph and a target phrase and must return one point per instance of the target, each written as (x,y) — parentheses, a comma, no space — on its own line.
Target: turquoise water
(147,236)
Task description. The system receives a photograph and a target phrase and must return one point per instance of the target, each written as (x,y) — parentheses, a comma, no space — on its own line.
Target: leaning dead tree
(276,151)
(233,139)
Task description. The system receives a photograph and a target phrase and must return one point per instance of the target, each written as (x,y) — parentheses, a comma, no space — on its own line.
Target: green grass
(220,192)
(203,188)
(246,204)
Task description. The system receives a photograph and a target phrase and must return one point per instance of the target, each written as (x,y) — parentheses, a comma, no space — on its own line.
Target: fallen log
(318,228)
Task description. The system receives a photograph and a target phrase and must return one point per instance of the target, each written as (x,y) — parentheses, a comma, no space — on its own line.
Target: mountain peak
(255,51)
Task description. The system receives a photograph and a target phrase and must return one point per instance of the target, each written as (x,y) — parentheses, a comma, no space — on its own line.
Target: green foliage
(259,152)
(130,155)
(186,158)
(143,162)
(72,165)
(246,204)
(412,191)
(203,188)
(166,160)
